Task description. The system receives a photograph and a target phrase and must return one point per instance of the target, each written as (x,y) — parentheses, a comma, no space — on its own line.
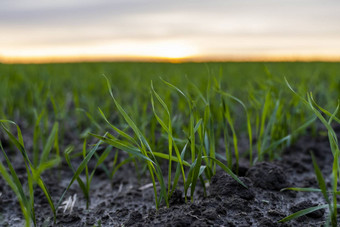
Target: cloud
(224,26)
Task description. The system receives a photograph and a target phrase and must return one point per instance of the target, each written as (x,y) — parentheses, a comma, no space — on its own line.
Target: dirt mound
(268,176)
(224,185)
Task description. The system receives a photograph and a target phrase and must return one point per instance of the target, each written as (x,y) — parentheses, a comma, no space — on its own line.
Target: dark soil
(123,202)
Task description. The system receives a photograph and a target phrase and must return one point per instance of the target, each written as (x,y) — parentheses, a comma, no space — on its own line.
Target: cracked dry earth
(124,202)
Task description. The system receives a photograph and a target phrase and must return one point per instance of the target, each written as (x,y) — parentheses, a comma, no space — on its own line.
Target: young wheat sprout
(69,204)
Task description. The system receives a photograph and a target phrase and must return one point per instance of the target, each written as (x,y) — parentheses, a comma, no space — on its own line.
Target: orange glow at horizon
(108,58)
(174,51)
(161,50)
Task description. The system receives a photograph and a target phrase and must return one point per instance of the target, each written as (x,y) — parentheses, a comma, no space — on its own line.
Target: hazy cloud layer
(208,27)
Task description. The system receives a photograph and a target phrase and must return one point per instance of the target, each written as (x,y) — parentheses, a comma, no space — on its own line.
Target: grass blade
(321,180)
(227,170)
(303,212)
(80,168)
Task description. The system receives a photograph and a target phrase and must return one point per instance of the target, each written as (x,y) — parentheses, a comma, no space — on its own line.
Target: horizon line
(193,59)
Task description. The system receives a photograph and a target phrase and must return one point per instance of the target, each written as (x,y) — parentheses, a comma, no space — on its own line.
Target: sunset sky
(45,30)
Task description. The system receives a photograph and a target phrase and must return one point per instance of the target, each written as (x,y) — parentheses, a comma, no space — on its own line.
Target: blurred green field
(28,88)
(66,92)
(194,116)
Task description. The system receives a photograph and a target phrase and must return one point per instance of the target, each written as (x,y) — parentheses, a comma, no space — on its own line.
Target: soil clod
(268,176)
(224,185)
(176,198)
(134,218)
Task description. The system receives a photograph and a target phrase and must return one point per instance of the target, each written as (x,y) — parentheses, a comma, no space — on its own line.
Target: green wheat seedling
(331,203)
(36,137)
(191,133)
(264,134)
(171,143)
(266,118)
(269,119)
(13,181)
(197,167)
(85,186)
(207,133)
(33,173)
(140,149)
(196,127)
(83,165)
(265,124)
(227,120)
(90,117)
(116,166)
(205,148)
(271,129)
